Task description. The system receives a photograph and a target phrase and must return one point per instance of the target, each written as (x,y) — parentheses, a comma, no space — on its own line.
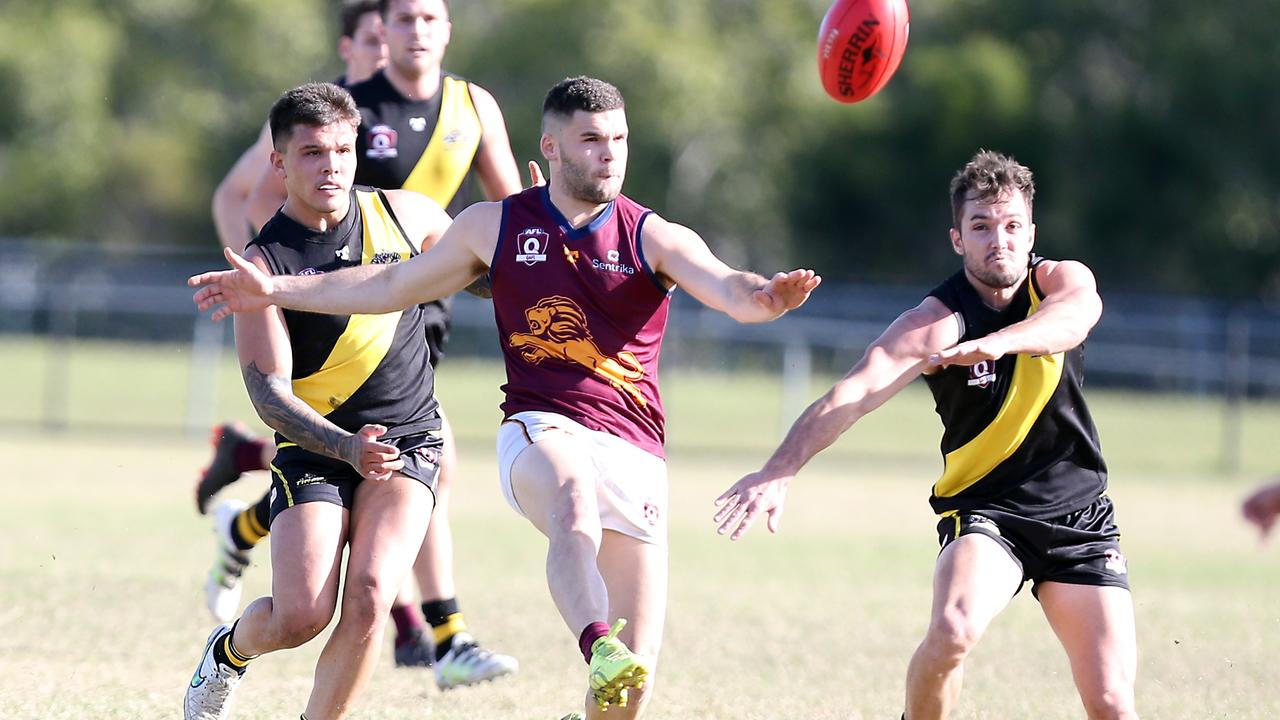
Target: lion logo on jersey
(558,330)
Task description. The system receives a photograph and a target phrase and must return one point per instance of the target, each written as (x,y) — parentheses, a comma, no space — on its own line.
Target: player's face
(364,52)
(591,152)
(995,240)
(319,166)
(417,33)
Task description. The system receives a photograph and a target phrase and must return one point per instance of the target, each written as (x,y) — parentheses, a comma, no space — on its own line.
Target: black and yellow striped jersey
(355,369)
(428,146)
(1017,434)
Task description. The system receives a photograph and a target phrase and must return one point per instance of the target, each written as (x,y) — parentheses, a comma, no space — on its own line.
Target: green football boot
(614,669)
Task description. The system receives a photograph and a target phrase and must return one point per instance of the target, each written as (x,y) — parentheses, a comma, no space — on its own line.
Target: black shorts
(1080,548)
(301,476)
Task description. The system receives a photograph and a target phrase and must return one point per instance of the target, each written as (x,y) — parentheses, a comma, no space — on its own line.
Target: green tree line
(1151,126)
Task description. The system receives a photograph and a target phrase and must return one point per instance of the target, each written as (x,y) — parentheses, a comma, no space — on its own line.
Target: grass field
(101,610)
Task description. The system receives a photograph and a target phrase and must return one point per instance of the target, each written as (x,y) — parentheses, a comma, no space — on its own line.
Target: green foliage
(1150,125)
(124,115)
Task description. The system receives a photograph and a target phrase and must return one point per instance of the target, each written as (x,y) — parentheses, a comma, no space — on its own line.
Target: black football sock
(225,653)
(446,622)
(250,526)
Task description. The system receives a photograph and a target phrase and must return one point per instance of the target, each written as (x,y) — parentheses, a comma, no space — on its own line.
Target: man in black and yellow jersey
(351,400)
(239,526)
(429,131)
(1023,493)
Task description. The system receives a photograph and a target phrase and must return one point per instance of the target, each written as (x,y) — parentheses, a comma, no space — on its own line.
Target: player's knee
(576,511)
(299,624)
(1114,702)
(953,636)
(366,600)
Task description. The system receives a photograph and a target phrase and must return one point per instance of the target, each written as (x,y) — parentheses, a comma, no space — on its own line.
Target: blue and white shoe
(209,694)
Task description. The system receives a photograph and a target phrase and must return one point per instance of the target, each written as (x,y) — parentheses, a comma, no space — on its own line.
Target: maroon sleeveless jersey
(580,317)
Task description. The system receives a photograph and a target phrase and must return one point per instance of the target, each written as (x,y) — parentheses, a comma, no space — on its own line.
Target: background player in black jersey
(362,51)
(1022,497)
(342,479)
(404,107)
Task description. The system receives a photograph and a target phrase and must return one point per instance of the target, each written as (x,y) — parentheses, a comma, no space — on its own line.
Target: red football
(860,45)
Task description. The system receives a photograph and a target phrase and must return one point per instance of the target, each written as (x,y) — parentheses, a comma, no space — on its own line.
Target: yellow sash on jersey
(364,344)
(447,159)
(1034,380)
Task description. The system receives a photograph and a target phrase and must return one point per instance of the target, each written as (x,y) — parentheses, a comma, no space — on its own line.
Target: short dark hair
(314,104)
(351,12)
(581,93)
(988,177)
(384,7)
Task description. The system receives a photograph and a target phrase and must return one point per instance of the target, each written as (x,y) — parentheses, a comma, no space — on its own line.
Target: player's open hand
(786,291)
(374,460)
(742,504)
(970,353)
(243,288)
(1262,507)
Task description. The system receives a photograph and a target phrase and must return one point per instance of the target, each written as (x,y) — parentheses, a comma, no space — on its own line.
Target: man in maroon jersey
(581,278)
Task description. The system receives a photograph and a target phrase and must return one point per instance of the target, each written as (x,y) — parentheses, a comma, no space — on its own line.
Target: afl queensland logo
(531,246)
(381,142)
(982,374)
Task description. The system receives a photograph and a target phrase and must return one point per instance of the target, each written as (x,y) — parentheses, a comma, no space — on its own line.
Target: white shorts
(631,484)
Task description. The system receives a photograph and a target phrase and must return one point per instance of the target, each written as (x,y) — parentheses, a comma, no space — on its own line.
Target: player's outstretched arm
(1262,507)
(445,269)
(1070,309)
(266,362)
(896,358)
(678,253)
(480,287)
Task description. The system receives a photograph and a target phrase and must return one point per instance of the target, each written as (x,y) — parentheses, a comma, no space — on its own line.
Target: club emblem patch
(982,373)
(531,246)
(382,142)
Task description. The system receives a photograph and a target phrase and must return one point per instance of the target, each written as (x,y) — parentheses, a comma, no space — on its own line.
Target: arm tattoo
(480,287)
(273,398)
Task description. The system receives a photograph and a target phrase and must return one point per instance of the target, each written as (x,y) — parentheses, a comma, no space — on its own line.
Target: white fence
(1155,344)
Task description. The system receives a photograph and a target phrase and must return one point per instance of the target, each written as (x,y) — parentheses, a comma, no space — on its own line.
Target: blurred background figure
(1263,506)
